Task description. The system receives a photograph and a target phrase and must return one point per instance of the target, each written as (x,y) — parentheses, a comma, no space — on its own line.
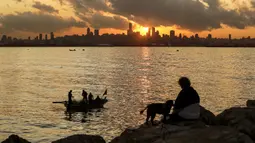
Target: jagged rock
(207,116)
(250,103)
(176,134)
(81,139)
(15,139)
(242,119)
(147,134)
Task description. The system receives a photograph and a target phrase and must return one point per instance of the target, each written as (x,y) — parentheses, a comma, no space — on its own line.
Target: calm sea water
(32,78)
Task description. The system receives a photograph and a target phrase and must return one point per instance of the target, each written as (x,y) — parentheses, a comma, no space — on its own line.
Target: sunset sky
(23,18)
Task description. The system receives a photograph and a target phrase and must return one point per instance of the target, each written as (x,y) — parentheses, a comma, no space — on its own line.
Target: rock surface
(242,119)
(250,103)
(207,116)
(15,139)
(184,134)
(81,139)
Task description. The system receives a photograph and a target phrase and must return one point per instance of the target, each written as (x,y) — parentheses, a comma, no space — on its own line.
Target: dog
(158,108)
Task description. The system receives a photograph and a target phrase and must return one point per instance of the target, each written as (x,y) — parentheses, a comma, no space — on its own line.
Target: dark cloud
(99,20)
(36,22)
(91,11)
(194,15)
(44,7)
(189,14)
(88,5)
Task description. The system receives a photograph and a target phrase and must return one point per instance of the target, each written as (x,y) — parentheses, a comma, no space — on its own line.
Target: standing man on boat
(85,96)
(90,98)
(69,102)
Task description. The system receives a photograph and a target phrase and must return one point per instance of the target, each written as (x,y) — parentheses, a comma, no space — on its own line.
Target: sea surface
(32,78)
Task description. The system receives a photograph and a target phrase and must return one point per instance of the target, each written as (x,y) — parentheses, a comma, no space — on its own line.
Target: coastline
(233,125)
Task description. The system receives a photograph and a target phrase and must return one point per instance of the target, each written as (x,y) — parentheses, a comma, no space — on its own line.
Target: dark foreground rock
(15,139)
(81,139)
(250,103)
(207,116)
(182,134)
(242,119)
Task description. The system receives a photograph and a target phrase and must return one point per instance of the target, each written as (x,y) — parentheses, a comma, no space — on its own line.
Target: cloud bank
(36,22)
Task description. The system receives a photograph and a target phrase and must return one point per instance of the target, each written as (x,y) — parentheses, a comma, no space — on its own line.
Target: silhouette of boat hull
(83,107)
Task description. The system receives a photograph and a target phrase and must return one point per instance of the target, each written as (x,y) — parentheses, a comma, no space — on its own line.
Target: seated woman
(186,105)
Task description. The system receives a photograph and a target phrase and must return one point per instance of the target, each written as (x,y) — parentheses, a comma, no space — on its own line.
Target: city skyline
(23,18)
(130,38)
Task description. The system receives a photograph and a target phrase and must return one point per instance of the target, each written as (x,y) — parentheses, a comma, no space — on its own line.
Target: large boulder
(15,139)
(242,119)
(81,139)
(250,103)
(147,134)
(185,134)
(207,116)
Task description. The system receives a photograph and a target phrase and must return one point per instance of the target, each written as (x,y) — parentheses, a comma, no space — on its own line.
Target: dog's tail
(141,112)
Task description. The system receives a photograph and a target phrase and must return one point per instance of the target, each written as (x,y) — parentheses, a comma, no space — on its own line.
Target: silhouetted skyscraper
(209,36)
(52,36)
(88,31)
(197,36)
(46,37)
(130,30)
(149,32)
(157,33)
(230,37)
(4,39)
(172,34)
(40,36)
(131,27)
(153,31)
(180,36)
(96,32)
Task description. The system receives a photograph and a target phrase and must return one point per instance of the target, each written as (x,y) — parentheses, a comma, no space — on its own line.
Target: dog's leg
(147,119)
(152,118)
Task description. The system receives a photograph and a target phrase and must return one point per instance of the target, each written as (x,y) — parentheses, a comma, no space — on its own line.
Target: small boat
(81,106)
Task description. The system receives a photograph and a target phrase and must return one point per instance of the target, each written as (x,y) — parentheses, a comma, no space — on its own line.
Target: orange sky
(66,11)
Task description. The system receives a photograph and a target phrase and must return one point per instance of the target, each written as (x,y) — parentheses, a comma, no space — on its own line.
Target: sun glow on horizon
(142,30)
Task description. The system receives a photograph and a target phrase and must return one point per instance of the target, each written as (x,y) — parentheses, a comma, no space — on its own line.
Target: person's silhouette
(85,96)
(69,100)
(90,98)
(186,105)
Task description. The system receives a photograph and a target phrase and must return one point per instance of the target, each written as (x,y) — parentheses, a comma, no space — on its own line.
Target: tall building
(230,37)
(209,36)
(88,31)
(96,32)
(197,36)
(180,36)
(157,33)
(40,36)
(52,36)
(130,30)
(131,27)
(172,34)
(153,31)
(46,37)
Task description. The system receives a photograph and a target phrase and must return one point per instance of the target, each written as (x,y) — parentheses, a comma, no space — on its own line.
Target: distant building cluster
(131,38)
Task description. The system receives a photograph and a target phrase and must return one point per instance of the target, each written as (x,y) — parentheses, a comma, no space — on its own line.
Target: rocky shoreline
(234,125)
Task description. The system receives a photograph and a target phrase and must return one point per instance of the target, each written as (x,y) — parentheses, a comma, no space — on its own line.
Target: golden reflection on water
(30,80)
